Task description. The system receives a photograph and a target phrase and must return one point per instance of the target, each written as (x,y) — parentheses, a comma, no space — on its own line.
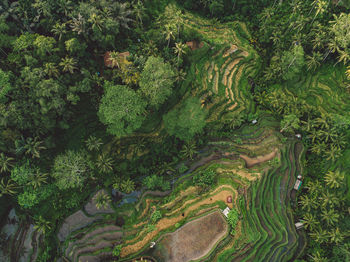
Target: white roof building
(226,211)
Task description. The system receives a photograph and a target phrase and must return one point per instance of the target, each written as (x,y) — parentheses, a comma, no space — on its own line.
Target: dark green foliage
(5,85)
(292,62)
(186,120)
(116,250)
(204,178)
(232,219)
(155,182)
(156,81)
(156,215)
(121,109)
(71,169)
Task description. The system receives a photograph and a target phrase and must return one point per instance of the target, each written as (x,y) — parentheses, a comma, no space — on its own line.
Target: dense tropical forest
(125,123)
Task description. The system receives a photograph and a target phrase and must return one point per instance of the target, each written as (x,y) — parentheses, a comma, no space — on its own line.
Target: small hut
(299,225)
(194,45)
(229,199)
(297,184)
(226,211)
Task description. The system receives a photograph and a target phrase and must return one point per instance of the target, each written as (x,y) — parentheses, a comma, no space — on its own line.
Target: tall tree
(68,64)
(5,163)
(102,200)
(157,79)
(340,40)
(310,221)
(186,120)
(121,109)
(330,216)
(71,169)
(179,49)
(104,163)
(334,179)
(7,188)
(290,123)
(33,147)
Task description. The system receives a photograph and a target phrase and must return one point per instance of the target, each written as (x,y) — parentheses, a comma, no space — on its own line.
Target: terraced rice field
(221,69)
(324,90)
(259,186)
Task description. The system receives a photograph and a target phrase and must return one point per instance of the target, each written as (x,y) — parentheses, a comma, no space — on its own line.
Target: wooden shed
(194,45)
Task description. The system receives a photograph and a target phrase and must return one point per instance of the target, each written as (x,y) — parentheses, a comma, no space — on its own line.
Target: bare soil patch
(195,239)
(260,159)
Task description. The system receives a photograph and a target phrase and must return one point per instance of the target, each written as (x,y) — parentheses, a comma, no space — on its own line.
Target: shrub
(116,250)
(156,182)
(232,219)
(156,215)
(204,178)
(182,168)
(71,169)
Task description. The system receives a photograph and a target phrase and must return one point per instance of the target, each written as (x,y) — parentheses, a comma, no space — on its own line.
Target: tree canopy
(186,120)
(121,109)
(156,82)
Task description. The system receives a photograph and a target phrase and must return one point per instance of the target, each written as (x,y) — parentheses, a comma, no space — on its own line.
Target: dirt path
(250,162)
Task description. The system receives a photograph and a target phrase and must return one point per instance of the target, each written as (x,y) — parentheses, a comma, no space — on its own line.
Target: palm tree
(318,148)
(68,64)
(115,59)
(318,258)
(165,168)
(104,163)
(313,61)
(7,188)
(347,72)
(42,225)
(5,163)
(139,10)
(179,49)
(320,8)
(310,221)
(102,200)
(333,152)
(320,236)
(330,216)
(266,14)
(314,187)
(59,30)
(37,179)
(307,202)
(51,70)
(127,186)
(336,236)
(33,147)
(180,75)
(334,179)
(96,21)
(139,145)
(343,57)
(93,143)
(189,150)
(328,198)
(169,33)
(78,24)
(120,12)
